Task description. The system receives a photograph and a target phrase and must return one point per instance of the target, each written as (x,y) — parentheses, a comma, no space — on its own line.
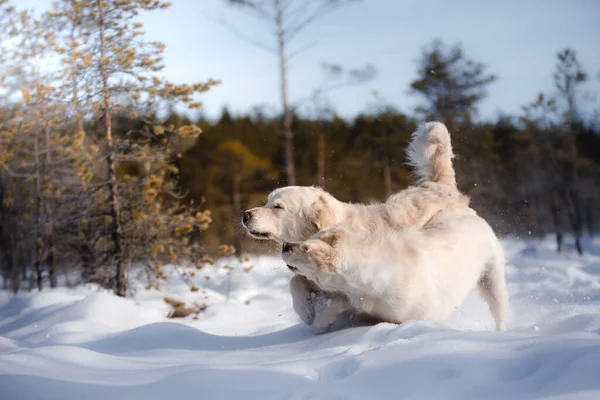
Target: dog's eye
(278,206)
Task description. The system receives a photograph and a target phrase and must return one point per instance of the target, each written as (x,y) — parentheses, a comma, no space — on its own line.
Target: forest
(104,166)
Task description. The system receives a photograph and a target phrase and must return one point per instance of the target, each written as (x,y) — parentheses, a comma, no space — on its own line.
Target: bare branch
(305,17)
(301,50)
(354,76)
(246,38)
(256,7)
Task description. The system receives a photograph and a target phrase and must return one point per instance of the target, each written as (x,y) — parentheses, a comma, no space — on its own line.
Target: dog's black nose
(246,217)
(286,247)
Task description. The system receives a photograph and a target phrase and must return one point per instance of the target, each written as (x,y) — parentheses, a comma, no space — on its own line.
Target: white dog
(407,274)
(295,213)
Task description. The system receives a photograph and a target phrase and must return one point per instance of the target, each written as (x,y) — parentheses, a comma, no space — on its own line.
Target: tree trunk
(321,158)
(85,256)
(574,212)
(556,219)
(288,135)
(39,239)
(38,267)
(559,241)
(115,210)
(578,228)
(51,257)
(52,265)
(572,194)
(236,202)
(387,176)
(16,274)
(8,250)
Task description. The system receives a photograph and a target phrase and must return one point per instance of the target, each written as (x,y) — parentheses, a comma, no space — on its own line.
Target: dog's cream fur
(295,213)
(406,274)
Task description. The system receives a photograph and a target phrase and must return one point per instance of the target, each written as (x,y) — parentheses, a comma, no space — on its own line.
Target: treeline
(94,178)
(519,176)
(529,174)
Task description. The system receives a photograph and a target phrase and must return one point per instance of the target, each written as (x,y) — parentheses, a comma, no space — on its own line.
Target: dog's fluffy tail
(430,154)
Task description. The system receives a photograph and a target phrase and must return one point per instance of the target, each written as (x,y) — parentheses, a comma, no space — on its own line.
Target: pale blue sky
(517,39)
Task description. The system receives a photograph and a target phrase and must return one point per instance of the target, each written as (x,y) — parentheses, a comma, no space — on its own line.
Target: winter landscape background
(87,343)
(134,133)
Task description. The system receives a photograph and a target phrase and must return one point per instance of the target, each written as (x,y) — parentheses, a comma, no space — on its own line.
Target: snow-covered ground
(81,343)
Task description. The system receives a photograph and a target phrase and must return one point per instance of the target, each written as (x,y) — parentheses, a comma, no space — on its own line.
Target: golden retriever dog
(295,213)
(406,274)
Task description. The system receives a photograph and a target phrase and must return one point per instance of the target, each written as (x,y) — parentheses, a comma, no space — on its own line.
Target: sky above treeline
(517,40)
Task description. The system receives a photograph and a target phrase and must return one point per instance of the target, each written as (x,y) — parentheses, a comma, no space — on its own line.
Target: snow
(84,343)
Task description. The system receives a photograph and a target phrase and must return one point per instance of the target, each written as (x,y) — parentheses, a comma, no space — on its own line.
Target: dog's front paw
(323,321)
(321,302)
(318,329)
(328,307)
(303,299)
(305,309)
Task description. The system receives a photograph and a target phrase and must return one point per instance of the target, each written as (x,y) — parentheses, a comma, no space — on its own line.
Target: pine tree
(451,84)
(110,71)
(568,78)
(537,161)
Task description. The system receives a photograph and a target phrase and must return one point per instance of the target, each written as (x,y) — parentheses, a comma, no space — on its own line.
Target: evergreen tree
(451,84)
(110,70)
(568,78)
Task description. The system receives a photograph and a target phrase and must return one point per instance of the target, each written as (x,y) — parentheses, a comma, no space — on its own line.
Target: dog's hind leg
(492,287)
(303,294)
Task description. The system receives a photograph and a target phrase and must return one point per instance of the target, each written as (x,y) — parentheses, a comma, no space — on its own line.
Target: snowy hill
(82,343)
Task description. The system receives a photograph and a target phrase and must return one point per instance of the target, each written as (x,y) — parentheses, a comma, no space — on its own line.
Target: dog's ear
(321,214)
(321,253)
(331,236)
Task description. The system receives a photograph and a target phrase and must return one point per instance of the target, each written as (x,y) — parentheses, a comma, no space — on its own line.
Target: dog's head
(292,214)
(315,256)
